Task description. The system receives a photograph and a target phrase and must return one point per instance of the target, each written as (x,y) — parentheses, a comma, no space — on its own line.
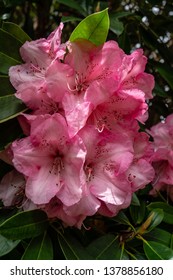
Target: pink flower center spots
(89,171)
(110,168)
(57,166)
(50,107)
(131,177)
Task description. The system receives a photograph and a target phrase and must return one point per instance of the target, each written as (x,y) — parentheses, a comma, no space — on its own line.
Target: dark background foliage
(144,230)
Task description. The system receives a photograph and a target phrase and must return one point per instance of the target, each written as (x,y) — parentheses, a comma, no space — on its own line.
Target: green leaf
(116,26)
(157,251)
(121,218)
(6,62)
(6,87)
(168,210)
(24,225)
(72,248)
(10,45)
(156,217)
(107,247)
(16,31)
(159,235)
(93,28)
(138,212)
(171,243)
(70,19)
(124,41)
(40,248)
(6,137)
(74,5)
(7,245)
(166,72)
(10,107)
(121,14)
(135,201)
(153,220)
(159,91)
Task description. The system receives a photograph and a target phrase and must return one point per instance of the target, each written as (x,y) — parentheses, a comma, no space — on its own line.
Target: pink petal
(11,185)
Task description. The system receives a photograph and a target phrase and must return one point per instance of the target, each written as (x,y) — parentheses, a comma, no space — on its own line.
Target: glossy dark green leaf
(16,31)
(171,243)
(159,235)
(72,248)
(70,19)
(7,245)
(40,248)
(156,217)
(24,225)
(168,210)
(121,218)
(6,138)
(116,26)
(153,220)
(93,28)
(159,91)
(74,5)
(5,63)
(10,45)
(107,247)
(121,14)
(135,201)
(124,41)
(166,72)
(10,107)
(6,87)
(138,212)
(157,251)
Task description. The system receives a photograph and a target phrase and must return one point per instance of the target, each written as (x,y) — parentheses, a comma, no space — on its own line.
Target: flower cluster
(162,158)
(83,152)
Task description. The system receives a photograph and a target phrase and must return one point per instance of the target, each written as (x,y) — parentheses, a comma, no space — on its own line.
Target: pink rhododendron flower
(106,83)
(162,158)
(12,191)
(31,79)
(12,188)
(51,161)
(83,152)
(141,172)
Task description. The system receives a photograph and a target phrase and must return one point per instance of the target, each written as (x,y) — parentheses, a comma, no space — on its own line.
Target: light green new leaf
(10,45)
(107,247)
(93,28)
(7,245)
(10,107)
(16,31)
(157,251)
(40,248)
(72,248)
(24,225)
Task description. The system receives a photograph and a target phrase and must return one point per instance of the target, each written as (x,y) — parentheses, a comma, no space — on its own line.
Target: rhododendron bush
(80,155)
